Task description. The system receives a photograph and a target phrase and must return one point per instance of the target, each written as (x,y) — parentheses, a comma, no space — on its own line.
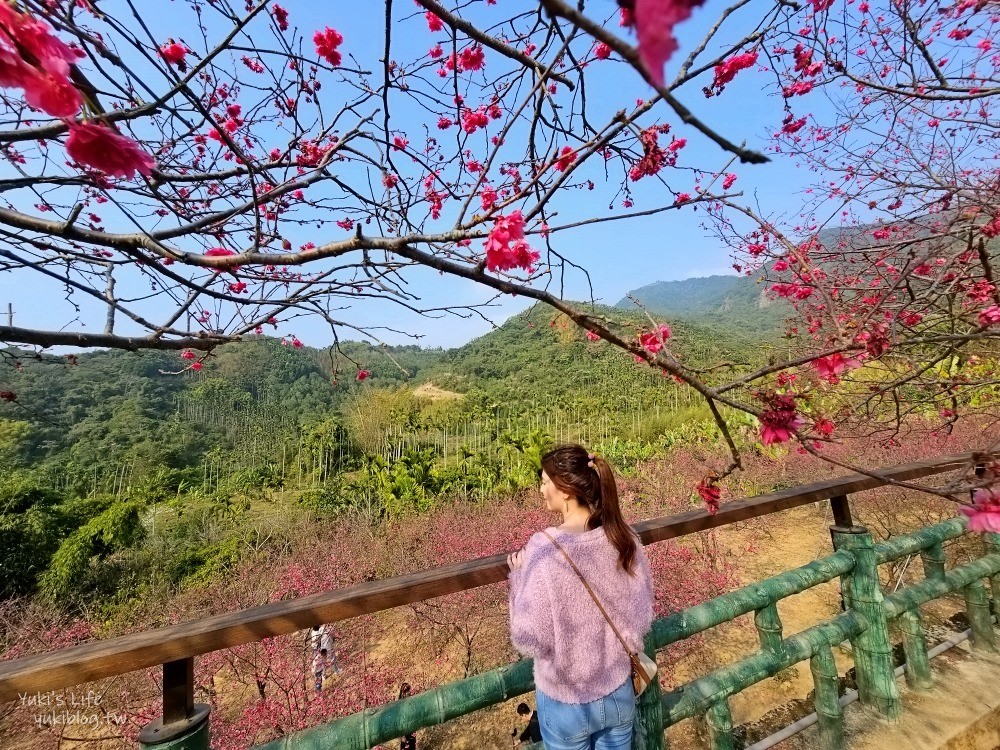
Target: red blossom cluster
(710,493)
(780,419)
(44,75)
(804,63)
(280,17)
(474,119)
(984,513)
(326,42)
(100,147)
(654,341)
(34,60)
(469,59)
(565,159)
(831,367)
(654,158)
(654,22)
(434,23)
(434,197)
(174,53)
(726,71)
(990,316)
(506,247)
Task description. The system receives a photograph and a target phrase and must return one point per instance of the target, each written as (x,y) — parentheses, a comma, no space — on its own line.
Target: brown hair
(592,482)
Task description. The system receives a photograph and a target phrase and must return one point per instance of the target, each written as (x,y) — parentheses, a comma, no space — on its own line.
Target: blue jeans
(604,724)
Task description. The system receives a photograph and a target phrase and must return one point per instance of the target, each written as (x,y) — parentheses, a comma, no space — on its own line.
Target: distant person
(329,642)
(409,742)
(531,733)
(316,634)
(582,671)
(319,666)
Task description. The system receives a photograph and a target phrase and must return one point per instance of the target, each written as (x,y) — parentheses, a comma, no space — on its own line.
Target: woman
(582,673)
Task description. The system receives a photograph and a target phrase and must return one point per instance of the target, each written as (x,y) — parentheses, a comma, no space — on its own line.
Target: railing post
(827,699)
(649,710)
(872,647)
(933,560)
(992,542)
(918,666)
(184,724)
(977,608)
(720,726)
(768,625)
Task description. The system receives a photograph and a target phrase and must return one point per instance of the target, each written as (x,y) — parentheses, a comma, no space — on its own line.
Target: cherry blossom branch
(631,56)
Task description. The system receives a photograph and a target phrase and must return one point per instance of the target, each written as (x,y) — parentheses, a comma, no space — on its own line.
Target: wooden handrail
(115,656)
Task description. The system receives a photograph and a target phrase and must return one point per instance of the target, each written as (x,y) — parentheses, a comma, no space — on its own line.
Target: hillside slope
(719,302)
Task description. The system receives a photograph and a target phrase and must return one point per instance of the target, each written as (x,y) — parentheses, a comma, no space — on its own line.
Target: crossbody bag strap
(590,591)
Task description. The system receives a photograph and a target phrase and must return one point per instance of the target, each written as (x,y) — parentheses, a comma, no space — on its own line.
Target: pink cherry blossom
(778,422)
(726,71)
(984,513)
(280,17)
(506,247)
(830,368)
(33,59)
(51,94)
(326,42)
(566,158)
(100,147)
(710,493)
(471,58)
(654,341)
(174,53)
(654,25)
(434,23)
(990,316)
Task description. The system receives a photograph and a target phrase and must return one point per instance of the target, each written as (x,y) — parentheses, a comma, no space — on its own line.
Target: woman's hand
(515,560)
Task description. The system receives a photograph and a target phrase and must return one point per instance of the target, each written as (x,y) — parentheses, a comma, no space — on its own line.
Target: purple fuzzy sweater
(553,619)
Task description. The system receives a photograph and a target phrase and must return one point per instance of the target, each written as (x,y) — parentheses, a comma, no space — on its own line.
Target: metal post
(184,724)
(977,607)
(827,699)
(719,720)
(918,666)
(841,511)
(872,647)
(649,711)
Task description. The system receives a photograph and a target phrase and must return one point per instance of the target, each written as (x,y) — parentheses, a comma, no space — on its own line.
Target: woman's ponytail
(608,513)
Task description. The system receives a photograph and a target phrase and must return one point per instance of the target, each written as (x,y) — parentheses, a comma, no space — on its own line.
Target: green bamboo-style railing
(865,623)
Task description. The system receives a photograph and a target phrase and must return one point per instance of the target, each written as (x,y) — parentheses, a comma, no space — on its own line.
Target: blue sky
(620,255)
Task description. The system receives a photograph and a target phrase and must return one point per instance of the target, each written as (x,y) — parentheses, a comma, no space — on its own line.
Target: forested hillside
(724,302)
(96,447)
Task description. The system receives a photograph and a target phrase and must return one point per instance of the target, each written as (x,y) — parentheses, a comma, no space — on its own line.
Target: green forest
(126,470)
